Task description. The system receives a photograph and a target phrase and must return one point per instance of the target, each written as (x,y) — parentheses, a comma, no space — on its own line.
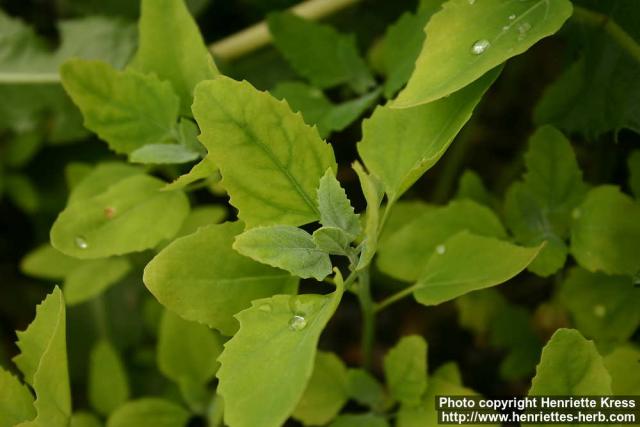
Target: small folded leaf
(126,109)
(285,247)
(201,278)
(605,235)
(466,39)
(109,223)
(406,251)
(256,139)
(331,240)
(163,154)
(570,366)
(405,368)
(183,58)
(108,383)
(43,362)
(16,401)
(302,42)
(149,412)
(93,277)
(49,263)
(326,392)
(399,146)
(373,193)
(187,351)
(335,208)
(469,263)
(282,333)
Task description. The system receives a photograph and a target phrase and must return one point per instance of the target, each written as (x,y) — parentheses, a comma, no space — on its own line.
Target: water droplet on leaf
(512,17)
(81,242)
(440,249)
(297,323)
(599,310)
(480,47)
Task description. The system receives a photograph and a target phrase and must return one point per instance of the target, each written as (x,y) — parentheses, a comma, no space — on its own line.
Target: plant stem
(394,298)
(28,78)
(617,33)
(368,317)
(100,316)
(257,36)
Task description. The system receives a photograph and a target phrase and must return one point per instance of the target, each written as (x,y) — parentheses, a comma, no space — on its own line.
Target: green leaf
(302,42)
(365,389)
(539,209)
(100,178)
(285,247)
(84,419)
(360,420)
(149,412)
(622,364)
(399,146)
(22,192)
(333,241)
(335,208)
(402,44)
(605,235)
(477,310)
(183,58)
(469,263)
(187,351)
(318,110)
(109,223)
(405,368)
(201,216)
(326,392)
(108,384)
(163,154)
(470,186)
(604,308)
(570,366)
(16,401)
(126,109)
(406,251)
(467,39)
(45,262)
(93,277)
(634,172)
(403,212)
(201,278)
(282,333)
(373,193)
(43,362)
(247,130)
(205,170)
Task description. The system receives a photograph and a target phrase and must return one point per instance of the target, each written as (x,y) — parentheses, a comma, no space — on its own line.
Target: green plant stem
(617,33)
(257,36)
(368,317)
(29,78)
(100,316)
(394,298)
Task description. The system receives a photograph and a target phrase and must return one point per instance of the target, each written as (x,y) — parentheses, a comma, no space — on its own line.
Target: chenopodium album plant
(230,289)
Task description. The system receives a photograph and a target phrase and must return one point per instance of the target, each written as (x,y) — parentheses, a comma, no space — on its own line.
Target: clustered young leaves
(234,335)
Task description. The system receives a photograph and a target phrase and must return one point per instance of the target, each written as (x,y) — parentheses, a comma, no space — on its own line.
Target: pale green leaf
(282,333)
(126,109)
(110,222)
(326,392)
(75,172)
(187,351)
(171,47)
(48,263)
(84,419)
(201,278)
(403,212)
(449,372)
(201,216)
(373,193)
(333,241)
(99,178)
(302,42)
(285,247)
(43,362)
(205,170)
(470,186)
(622,364)
(604,308)
(22,192)
(605,235)
(570,366)
(634,172)
(16,401)
(407,251)
(335,208)
(365,389)
(466,39)
(163,154)
(149,412)
(108,384)
(256,139)
(469,263)
(405,368)
(93,277)
(399,146)
(360,420)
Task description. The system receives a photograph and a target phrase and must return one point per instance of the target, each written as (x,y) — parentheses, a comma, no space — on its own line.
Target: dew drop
(441,249)
(265,307)
(480,47)
(297,323)
(512,17)
(576,213)
(599,310)
(81,242)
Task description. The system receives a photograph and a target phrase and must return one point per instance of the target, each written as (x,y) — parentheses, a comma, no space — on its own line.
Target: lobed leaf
(335,208)
(16,401)
(405,368)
